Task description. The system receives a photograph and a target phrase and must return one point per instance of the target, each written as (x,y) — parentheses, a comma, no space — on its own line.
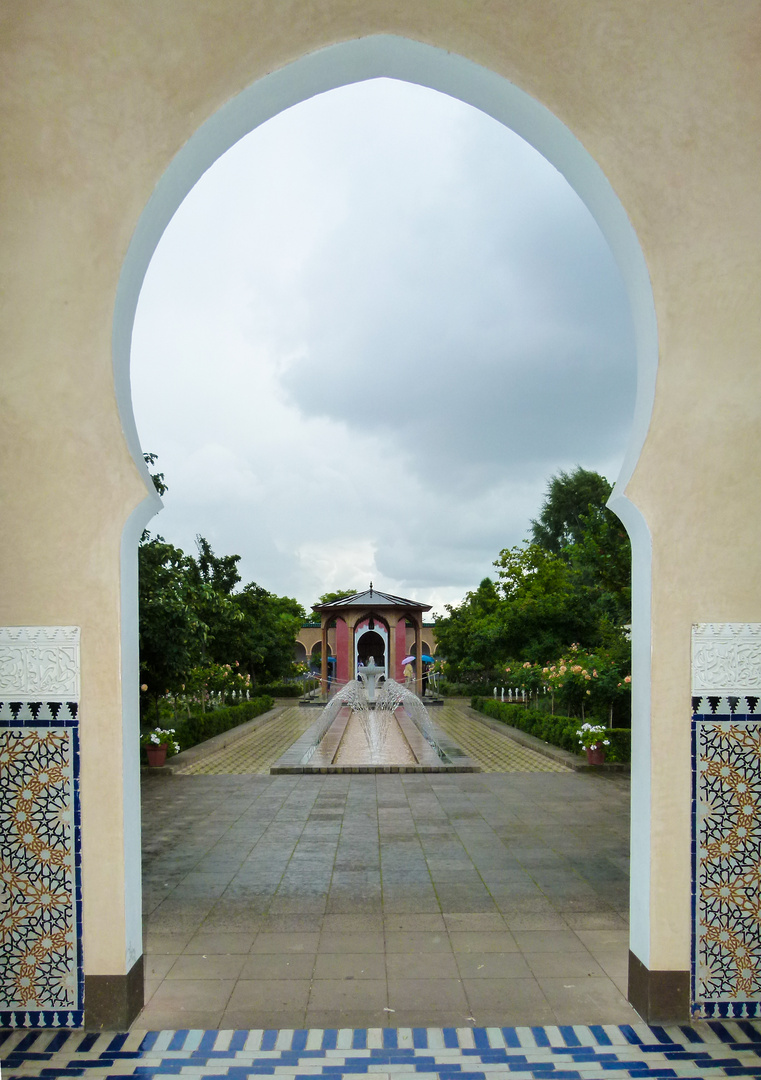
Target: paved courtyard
(391,900)
(261,747)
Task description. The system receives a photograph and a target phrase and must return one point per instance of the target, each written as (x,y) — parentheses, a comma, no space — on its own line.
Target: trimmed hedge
(558,730)
(199,727)
(291,689)
(282,689)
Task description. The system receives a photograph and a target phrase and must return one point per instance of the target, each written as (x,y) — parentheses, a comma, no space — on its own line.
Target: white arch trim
(399,58)
(382,632)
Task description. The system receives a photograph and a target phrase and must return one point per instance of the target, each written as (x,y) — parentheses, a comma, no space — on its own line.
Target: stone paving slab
(564,1052)
(348,900)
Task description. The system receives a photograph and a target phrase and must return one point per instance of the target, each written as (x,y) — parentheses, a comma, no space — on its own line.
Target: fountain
(367,675)
(359,731)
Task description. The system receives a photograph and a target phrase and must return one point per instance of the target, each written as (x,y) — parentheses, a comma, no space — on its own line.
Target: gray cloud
(370,334)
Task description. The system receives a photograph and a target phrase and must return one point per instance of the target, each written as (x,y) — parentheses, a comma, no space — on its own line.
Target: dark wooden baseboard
(113,1001)
(660,997)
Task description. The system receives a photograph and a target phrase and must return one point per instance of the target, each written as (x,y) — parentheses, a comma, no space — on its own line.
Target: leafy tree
(157,477)
(328,598)
(542,611)
(470,635)
(219,571)
(196,630)
(172,633)
(567,502)
(601,562)
(214,578)
(268,632)
(572,584)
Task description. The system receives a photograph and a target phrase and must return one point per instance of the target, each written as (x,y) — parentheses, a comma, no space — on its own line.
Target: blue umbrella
(425,658)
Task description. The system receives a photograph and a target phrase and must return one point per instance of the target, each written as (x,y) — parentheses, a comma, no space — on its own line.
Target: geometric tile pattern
(257,751)
(726,962)
(558,1053)
(726,820)
(41,981)
(721,704)
(493,750)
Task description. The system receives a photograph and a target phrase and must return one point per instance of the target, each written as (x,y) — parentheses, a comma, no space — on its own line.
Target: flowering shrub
(160,737)
(592,735)
(579,682)
(219,679)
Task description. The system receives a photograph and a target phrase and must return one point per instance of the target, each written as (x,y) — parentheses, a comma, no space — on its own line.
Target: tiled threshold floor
(494,1053)
(355,901)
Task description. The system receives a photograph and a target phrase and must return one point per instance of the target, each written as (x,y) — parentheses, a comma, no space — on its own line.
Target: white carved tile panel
(726,658)
(39,663)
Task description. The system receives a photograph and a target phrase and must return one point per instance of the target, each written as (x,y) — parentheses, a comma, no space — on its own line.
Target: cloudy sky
(369,336)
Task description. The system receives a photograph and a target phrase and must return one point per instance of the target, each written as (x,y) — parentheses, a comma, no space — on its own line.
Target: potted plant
(592,738)
(158,743)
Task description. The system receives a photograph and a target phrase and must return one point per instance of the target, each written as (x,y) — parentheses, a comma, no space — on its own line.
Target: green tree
(195,627)
(470,634)
(568,500)
(601,562)
(157,477)
(172,632)
(214,578)
(268,632)
(219,571)
(328,598)
(542,611)
(572,586)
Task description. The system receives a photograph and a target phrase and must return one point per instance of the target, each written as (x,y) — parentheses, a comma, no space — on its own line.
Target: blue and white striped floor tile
(550,1053)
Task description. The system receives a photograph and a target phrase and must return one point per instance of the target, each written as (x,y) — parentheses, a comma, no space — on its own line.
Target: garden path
(337,901)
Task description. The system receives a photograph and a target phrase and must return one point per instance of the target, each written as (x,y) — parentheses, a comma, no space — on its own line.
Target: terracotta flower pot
(596,754)
(156,755)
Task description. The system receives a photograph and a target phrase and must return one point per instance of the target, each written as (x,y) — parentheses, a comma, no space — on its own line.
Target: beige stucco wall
(309,636)
(96,100)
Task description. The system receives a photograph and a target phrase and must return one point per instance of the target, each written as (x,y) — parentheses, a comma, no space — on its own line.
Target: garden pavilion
(372,624)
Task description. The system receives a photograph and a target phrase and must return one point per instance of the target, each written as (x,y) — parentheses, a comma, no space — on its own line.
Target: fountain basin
(337,744)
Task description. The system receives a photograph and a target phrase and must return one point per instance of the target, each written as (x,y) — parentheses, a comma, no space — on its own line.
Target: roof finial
(371,588)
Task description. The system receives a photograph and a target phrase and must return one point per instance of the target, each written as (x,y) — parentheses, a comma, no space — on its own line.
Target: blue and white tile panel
(557,1053)
(41,977)
(726,820)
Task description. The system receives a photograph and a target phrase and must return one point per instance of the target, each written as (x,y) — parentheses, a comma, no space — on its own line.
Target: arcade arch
(665,99)
(395,57)
(372,644)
